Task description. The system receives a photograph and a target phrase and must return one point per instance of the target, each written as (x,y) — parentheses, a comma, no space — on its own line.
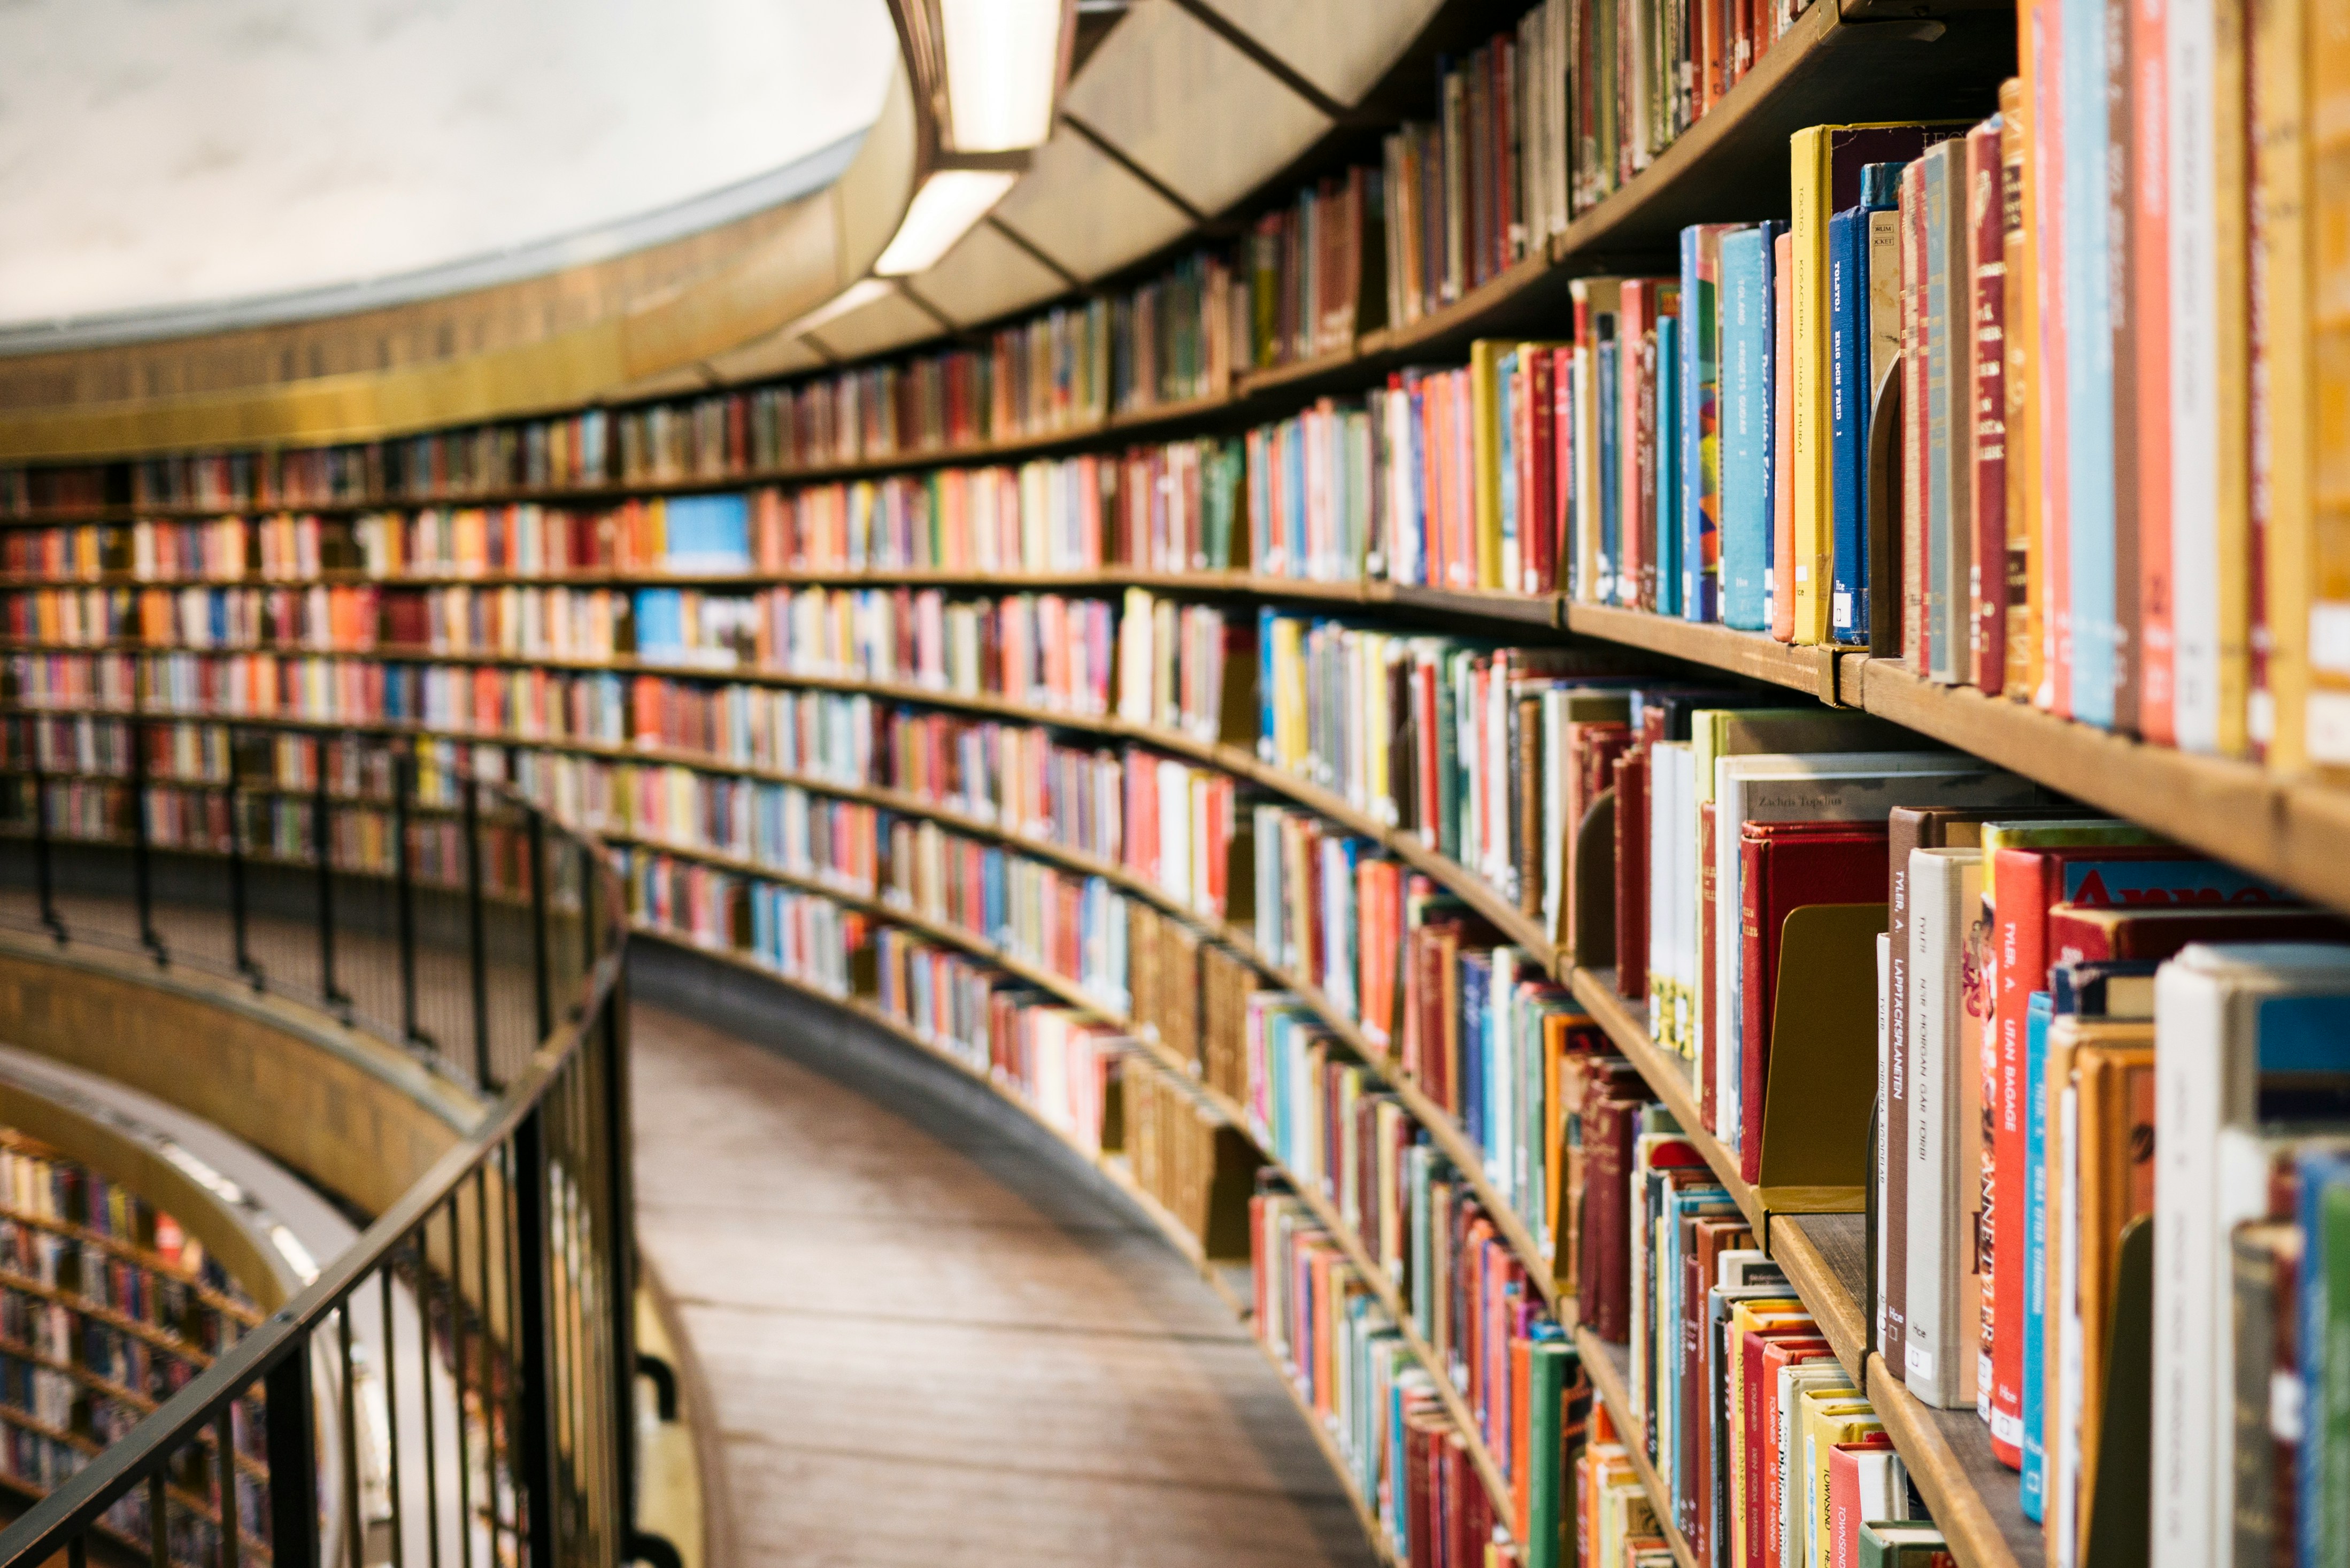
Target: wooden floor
(933,1337)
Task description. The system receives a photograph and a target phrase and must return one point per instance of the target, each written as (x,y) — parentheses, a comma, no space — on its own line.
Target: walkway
(934,1338)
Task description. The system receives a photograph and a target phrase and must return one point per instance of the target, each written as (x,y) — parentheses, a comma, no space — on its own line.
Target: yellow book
(2019,249)
(2282,197)
(1486,453)
(1792,1522)
(1819,153)
(2325,724)
(1747,1317)
(1826,1421)
(2231,263)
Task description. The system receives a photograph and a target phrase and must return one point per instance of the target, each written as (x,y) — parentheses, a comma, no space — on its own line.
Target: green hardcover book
(1902,1544)
(1548,1540)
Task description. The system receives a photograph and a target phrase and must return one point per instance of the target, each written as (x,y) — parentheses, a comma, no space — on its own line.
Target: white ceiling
(160,155)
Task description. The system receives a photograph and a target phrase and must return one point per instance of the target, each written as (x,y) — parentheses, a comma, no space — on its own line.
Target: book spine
(1848,425)
(1781,579)
(1917,419)
(1986,215)
(1745,427)
(2046,181)
(1810,454)
(2020,381)
(1943,430)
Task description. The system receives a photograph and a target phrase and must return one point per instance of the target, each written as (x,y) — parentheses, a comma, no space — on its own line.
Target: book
(1784,865)
(1826,164)
(2221,1013)
(1747,464)
(1943,1146)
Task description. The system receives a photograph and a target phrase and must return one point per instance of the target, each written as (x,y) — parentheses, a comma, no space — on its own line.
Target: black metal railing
(456,1390)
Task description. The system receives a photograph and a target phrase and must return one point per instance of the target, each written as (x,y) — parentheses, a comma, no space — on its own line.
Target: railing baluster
(539,977)
(535,1386)
(236,914)
(354,1520)
(404,894)
(142,887)
(487,1397)
(620,1244)
(457,1370)
(476,943)
(159,1521)
(322,840)
(391,1413)
(424,1365)
(292,1440)
(44,877)
(225,1440)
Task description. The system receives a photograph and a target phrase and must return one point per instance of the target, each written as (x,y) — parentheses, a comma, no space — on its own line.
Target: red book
(1610,1127)
(1538,469)
(1707,914)
(1766,1484)
(1786,866)
(1423,1439)
(2023,886)
(1845,1516)
(1560,528)
(2082,933)
(1632,873)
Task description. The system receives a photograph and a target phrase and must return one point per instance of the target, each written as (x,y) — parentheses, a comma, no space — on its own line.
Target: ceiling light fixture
(950,202)
(1003,62)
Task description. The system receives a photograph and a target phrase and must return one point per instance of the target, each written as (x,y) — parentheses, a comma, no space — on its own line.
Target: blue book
(1747,349)
(2040,1014)
(1668,465)
(1700,411)
(2088,391)
(660,622)
(707,532)
(1266,616)
(1848,423)
(1745,522)
(1476,979)
(1611,511)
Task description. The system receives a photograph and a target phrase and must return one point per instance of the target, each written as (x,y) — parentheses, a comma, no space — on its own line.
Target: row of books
(317,618)
(1403,1450)
(1541,123)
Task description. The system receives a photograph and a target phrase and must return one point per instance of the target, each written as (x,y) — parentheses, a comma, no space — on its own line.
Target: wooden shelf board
(1972,1497)
(1609,1367)
(2294,832)
(1750,654)
(1824,1258)
(1496,604)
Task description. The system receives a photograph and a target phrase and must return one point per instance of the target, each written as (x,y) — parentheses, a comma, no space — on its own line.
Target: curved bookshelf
(1837,63)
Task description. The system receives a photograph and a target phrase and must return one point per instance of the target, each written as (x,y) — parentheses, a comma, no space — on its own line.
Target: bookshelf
(1848,62)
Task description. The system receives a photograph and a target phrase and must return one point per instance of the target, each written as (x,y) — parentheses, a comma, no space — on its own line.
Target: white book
(1666,853)
(1555,826)
(1683,934)
(1826,786)
(2212,1005)
(1794,1476)
(1888,1139)
(1942,1141)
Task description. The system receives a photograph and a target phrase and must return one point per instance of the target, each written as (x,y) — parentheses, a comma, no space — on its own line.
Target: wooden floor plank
(934,1338)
